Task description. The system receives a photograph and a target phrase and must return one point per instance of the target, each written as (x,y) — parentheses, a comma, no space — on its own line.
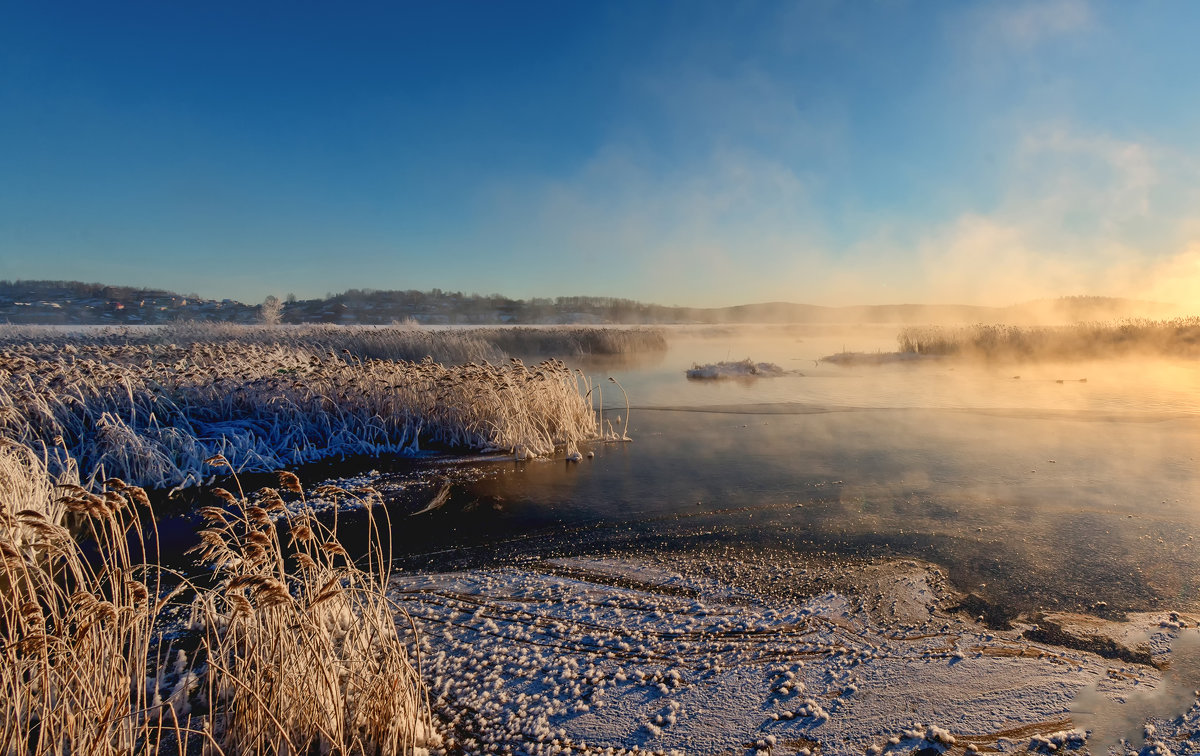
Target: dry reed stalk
(288,659)
(319,643)
(77,634)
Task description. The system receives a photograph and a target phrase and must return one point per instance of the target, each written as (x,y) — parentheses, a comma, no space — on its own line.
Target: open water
(1033,487)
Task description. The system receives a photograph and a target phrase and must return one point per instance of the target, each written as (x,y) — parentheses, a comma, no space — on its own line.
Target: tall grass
(152,413)
(452,345)
(1178,337)
(300,643)
(26,488)
(293,649)
(76,633)
(575,341)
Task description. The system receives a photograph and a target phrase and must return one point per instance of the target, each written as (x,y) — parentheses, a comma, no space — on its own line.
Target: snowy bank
(753,655)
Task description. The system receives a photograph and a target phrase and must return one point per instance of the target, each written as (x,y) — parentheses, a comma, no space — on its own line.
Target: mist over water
(1037,491)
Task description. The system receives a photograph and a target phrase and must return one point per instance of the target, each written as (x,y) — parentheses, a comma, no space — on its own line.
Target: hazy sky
(681,153)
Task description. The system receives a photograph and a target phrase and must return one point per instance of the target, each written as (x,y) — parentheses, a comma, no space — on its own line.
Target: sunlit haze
(701,154)
(603,377)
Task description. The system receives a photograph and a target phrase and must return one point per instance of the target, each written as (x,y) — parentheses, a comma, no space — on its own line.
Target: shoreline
(695,654)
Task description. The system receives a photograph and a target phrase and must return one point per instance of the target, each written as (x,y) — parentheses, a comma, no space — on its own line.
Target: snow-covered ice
(704,654)
(747,368)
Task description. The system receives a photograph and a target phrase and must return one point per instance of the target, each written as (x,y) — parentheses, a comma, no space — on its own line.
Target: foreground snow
(738,655)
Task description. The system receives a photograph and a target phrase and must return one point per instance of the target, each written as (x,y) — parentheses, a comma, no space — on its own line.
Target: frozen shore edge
(693,655)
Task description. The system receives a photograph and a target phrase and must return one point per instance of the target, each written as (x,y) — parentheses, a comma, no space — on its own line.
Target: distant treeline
(68,302)
(39,290)
(436,305)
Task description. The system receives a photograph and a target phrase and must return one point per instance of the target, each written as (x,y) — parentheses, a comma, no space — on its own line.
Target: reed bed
(151,412)
(575,341)
(304,658)
(450,345)
(76,633)
(1178,337)
(293,649)
(353,342)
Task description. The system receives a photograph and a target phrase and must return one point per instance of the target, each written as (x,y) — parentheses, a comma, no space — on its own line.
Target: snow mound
(747,368)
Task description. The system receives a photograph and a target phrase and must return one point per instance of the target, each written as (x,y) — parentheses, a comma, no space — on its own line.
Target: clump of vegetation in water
(746,368)
(1178,337)
(575,341)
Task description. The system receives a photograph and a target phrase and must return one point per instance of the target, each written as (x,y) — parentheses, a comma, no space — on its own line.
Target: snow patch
(674,653)
(744,369)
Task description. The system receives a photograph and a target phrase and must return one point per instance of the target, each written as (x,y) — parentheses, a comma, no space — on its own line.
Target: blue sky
(682,153)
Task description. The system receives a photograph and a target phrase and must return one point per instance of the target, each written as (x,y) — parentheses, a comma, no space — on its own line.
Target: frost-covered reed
(75,633)
(1178,337)
(574,340)
(449,345)
(26,487)
(293,649)
(151,413)
(300,644)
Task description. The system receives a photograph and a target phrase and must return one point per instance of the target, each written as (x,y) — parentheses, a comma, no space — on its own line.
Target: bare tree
(270,312)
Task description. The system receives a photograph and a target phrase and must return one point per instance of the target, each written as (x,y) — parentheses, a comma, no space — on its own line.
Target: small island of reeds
(1176,337)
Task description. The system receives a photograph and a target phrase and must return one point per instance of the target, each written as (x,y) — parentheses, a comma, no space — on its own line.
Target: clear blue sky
(682,153)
